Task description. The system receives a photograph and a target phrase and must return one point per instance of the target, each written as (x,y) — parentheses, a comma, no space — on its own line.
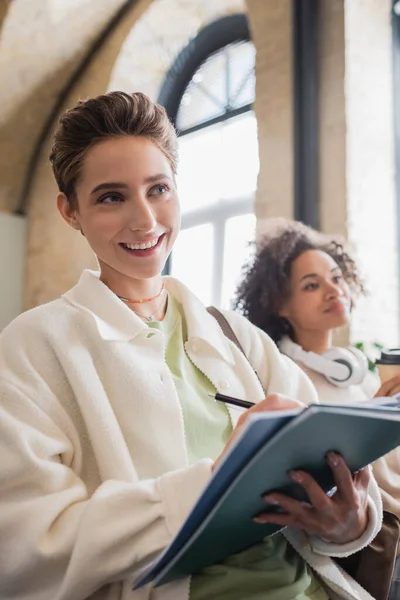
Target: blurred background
(283,107)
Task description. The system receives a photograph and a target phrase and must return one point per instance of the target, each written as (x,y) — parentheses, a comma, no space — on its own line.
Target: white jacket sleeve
(59,541)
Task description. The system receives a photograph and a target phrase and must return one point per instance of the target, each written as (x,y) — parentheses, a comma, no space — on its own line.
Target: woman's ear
(68,212)
(284,311)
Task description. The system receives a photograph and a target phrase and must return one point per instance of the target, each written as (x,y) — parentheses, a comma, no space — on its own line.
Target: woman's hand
(341,518)
(389,388)
(271,402)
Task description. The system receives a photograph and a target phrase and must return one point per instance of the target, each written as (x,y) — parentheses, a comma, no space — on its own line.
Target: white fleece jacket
(94,474)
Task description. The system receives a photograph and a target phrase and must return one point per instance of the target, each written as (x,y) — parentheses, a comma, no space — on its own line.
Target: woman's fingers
(318,498)
(288,504)
(395,389)
(277,402)
(339,519)
(272,402)
(297,514)
(389,388)
(362,479)
(343,477)
(278,519)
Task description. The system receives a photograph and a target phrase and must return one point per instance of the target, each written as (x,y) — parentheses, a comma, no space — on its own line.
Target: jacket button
(223,384)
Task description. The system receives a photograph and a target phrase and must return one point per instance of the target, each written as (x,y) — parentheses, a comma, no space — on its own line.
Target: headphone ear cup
(362,361)
(354,360)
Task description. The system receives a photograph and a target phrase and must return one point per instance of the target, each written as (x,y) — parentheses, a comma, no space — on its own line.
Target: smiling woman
(130,216)
(108,433)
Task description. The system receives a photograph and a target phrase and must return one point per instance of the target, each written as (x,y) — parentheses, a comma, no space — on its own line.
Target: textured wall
(12,252)
(150,48)
(3,10)
(41,44)
(270,22)
(332,124)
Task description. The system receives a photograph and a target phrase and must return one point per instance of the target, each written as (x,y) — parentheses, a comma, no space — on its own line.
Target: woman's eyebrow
(108,185)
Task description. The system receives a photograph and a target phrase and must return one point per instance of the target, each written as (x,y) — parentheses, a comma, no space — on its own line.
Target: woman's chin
(336,321)
(147,270)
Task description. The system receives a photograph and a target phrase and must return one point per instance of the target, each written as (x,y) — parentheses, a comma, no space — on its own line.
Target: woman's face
(319,296)
(127,207)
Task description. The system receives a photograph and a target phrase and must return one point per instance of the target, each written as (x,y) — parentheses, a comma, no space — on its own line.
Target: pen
(233,401)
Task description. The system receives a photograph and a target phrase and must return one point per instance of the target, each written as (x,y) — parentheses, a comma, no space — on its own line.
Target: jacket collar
(116,322)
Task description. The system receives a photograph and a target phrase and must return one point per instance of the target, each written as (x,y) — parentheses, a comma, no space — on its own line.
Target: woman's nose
(141,216)
(334,291)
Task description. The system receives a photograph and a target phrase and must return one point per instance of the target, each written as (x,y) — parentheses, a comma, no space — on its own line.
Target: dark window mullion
(228,115)
(227,80)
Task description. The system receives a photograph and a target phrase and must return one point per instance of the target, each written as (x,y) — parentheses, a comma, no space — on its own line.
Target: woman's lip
(338,307)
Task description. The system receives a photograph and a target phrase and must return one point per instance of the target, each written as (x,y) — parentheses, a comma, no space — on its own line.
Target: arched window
(209,93)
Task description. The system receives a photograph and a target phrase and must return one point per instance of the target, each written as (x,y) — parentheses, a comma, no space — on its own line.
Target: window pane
(218,163)
(192,260)
(198,171)
(226,80)
(205,97)
(242,84)
(240,156)
(239,231)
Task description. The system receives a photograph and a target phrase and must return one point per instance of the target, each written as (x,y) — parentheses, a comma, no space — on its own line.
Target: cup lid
(389,357)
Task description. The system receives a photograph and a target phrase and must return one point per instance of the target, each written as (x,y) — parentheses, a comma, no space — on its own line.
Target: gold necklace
(149,318)
(132,301)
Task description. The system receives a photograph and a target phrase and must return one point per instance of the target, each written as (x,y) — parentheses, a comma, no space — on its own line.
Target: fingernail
(259,520)
(296,476)
(333,459)
(271,499)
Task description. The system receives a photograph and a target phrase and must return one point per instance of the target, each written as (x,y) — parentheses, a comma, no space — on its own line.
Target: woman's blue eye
(338,278)
(158,190)
(311,286)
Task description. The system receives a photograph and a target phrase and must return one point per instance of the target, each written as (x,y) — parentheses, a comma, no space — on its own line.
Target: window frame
(212,38)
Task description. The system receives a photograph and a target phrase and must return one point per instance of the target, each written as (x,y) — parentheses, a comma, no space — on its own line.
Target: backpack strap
(226,328)
(230,334)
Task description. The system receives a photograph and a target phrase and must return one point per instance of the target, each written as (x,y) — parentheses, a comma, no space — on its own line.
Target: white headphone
(339,366)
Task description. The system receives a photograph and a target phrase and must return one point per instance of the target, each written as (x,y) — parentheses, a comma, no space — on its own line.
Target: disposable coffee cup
(389,364)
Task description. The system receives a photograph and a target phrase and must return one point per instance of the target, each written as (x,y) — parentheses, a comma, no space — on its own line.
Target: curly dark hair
(266,277)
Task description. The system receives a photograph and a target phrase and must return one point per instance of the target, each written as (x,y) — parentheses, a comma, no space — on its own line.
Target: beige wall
(270,22)
(41,44)
(150,48)
(3,10)
(12,266)
(332,123)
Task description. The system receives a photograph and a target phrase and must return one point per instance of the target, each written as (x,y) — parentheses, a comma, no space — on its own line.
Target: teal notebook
(272,444)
